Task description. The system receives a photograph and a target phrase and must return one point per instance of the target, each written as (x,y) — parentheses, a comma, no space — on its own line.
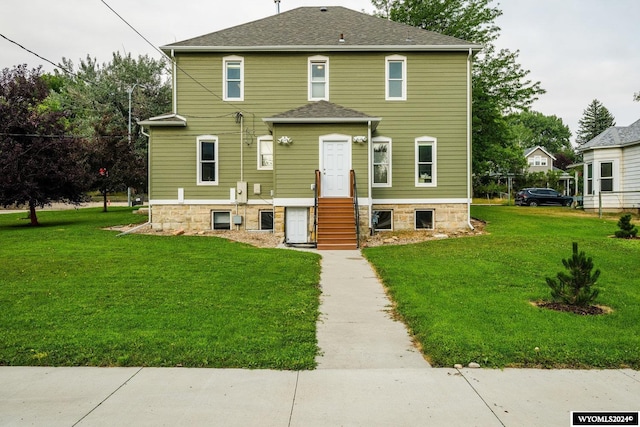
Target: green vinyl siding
(436,106)
(295,164)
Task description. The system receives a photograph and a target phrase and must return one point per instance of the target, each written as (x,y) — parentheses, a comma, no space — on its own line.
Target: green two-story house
(320,124)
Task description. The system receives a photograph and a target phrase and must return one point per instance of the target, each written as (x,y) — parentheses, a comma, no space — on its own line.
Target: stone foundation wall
(447,217)
(198,217)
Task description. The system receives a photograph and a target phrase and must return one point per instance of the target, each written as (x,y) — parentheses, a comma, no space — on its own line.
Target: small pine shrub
(627,229)
(575,288)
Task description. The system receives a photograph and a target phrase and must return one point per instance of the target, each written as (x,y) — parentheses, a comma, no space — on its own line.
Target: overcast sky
(578,49)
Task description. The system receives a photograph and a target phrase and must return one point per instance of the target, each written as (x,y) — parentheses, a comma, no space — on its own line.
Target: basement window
(221,220)
(424,220)
(382,220)
(266,220)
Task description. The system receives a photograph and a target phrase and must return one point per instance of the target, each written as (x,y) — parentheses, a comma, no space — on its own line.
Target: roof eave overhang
(169,50)
(159,124)
(322,120)
(604,147)
(165,120)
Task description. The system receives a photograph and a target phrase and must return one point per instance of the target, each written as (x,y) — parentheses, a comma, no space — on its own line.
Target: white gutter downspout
(174,79)
(370,177)
(469,122)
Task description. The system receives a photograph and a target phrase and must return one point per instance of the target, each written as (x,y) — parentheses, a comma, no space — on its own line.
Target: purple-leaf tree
(40,162)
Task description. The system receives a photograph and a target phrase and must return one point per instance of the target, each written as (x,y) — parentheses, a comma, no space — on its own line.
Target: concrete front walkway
(355,329)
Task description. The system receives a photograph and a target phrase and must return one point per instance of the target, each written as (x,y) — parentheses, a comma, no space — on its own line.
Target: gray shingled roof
(322,110)
(615,136)
(321,28)
(528,151)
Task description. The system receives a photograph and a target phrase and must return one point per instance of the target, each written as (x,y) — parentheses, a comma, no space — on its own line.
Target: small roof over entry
(323,112)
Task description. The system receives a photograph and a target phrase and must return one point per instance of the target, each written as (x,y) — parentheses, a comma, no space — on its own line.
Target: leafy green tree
(500,84)
(39,162)
(575,288)
(532,128)
(471,20)
(97,96)
(595,120)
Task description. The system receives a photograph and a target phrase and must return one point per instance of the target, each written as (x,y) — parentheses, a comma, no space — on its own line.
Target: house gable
(539,159)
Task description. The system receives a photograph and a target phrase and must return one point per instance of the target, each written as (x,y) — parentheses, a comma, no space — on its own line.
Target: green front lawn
(74,294)
(469,299)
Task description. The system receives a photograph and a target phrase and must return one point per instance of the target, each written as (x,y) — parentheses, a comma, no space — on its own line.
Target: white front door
(336,164)
(296,223)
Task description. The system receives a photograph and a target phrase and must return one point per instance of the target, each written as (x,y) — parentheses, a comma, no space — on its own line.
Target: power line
(133,28)
(44,59)
(173,61)
(60,136)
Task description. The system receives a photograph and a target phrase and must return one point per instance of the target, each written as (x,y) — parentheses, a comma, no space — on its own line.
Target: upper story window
(381,162)
(265,153)
(233,78)
(426,165)
(538,161)
(207,160)
(318,78)
(396,78)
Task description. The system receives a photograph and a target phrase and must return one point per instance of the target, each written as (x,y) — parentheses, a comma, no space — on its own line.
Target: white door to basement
(296,223)
(335,167)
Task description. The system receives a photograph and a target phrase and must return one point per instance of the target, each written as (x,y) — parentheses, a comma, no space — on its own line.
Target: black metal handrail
(354,190)
(316,193)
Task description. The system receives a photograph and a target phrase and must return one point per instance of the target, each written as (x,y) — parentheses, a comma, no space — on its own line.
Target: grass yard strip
(74,294)
(469,299)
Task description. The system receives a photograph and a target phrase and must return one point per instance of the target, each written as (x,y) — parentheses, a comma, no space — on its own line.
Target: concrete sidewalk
(324,397)
(369,374)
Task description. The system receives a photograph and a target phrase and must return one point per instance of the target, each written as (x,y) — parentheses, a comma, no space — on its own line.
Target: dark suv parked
(541,196)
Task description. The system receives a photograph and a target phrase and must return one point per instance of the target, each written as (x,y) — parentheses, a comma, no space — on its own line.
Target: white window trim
(314,60)
(395,58)
(433,219)
(207,138)
(260,139)
(213,212)
(389,174)
(588,179)
(427,140)
(392,220)
(613,177)
(260,212)
(225,61)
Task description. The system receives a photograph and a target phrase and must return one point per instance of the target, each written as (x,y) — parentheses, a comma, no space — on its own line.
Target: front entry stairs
(336,224)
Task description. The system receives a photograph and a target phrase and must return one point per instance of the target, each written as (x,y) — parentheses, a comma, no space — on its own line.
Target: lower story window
(589,178)
(382,220)
(266,220)
(606,176)
(221,220)
(424,220)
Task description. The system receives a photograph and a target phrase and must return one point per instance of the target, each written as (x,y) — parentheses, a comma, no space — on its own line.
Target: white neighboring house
(612,169)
